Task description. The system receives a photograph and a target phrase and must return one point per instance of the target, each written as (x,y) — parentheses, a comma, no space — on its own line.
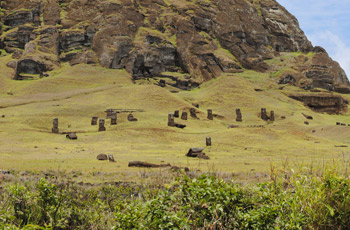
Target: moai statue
(272,116)
(264,114)
(171,120)
(114,119)
(210,114)
(55,125)
(110,113)
(111,158)
(208,141)
(176,113)
(193,112)
(162,83)
(239,115)
(94,120)
(101,124)
(184,116)
(131,117)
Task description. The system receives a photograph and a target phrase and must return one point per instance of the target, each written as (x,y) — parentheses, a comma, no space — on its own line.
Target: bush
(290,201)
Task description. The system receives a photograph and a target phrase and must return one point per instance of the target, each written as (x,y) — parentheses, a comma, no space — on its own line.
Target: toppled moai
(307,116)
(272,116)
(177,113)
(264,114)
(94,120)
(184,116)
(197,152)
(193,113)
(72,136)
(101,125)
(131,117)
(111,158)
(180,126)
(210,114)
(55,125)
(239,115)
(171,120)
(208,141)
(142,164)
(114,119)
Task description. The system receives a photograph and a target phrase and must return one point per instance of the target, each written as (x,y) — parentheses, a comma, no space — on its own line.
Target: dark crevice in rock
(29,67)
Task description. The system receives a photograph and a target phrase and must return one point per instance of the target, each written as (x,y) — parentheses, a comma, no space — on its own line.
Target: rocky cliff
(189,41)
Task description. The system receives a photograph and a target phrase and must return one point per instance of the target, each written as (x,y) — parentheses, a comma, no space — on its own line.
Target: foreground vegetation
(289,201)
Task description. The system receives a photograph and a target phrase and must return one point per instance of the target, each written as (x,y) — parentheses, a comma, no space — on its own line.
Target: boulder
(102,157)
(12,64)
(72,136)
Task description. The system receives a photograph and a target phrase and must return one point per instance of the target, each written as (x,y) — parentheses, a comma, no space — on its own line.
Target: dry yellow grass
(75,94)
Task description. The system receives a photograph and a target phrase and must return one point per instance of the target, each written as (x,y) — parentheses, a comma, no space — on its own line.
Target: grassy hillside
(75,94)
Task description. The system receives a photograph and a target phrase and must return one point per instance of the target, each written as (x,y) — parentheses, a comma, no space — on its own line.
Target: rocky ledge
(327,103)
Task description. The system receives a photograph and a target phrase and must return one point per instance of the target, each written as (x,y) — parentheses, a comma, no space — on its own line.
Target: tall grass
(290,200)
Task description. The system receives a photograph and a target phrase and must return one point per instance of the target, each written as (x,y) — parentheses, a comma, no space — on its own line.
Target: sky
(326,23)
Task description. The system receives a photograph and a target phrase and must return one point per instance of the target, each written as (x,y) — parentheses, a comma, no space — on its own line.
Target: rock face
(187,41)
(315,71)
(328,103)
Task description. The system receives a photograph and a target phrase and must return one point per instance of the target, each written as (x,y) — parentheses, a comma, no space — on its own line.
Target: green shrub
(289,201)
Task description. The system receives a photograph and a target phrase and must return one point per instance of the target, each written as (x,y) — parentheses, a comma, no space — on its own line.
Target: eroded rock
(328,103)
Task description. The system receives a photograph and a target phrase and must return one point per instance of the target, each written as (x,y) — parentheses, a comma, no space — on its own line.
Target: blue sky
(326,23)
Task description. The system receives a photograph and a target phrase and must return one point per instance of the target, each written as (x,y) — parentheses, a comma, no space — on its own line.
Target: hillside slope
(76,59)
(72,95)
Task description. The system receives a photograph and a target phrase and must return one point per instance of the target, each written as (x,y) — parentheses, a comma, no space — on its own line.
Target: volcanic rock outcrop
(328,103)
(189,41)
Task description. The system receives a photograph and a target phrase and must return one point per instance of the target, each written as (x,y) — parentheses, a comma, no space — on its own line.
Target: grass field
(75,94)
